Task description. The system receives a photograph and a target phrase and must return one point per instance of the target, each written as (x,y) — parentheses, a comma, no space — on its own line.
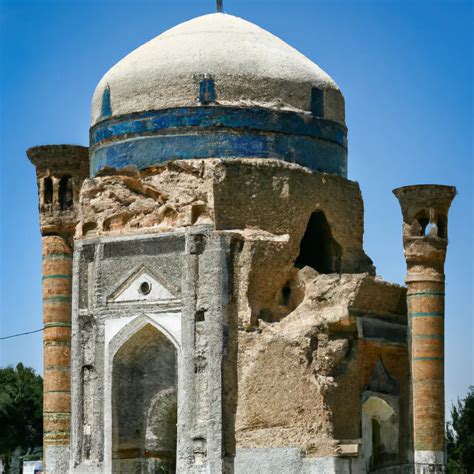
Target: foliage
(460,436)
(21,409)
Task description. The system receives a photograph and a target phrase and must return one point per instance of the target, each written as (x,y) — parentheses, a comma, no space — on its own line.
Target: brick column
(56,276)
(425,216)
(58,216)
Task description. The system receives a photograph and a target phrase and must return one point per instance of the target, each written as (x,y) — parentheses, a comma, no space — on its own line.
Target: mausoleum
(208,303)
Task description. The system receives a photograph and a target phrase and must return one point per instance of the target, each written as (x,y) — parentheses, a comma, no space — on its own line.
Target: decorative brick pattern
(57,335)
(425,216)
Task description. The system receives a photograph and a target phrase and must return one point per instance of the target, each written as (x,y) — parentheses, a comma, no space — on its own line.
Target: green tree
(21,409)
(460,436)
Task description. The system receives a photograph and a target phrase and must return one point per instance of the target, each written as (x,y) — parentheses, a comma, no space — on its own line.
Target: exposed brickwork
(425,212)
(64,168)
(60,171)
(57,334)
(426,311)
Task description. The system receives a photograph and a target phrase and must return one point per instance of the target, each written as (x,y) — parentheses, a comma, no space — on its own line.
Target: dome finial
(219,6)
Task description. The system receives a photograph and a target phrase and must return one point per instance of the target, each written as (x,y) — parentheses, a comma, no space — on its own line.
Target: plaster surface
(250,67)
(56,459)
(292,461)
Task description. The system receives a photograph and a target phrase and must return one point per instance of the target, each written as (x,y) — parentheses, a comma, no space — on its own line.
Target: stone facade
(208,304)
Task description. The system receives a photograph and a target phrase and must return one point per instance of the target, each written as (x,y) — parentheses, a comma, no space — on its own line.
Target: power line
(20,334)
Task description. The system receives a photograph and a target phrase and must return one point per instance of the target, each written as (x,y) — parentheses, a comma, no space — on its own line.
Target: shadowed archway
(144,378)
(318,248)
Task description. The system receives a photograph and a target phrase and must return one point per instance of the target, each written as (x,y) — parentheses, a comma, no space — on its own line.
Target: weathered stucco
(208,304)
(127,202)
(268,202)
(251,67)
(299,347)
(298,330)
(316,360)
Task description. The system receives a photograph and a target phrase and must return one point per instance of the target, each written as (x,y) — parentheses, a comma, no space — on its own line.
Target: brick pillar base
(426,313)
(57,274)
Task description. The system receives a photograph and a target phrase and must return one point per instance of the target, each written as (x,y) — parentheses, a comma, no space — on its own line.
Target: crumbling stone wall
(315,359)
(156,200)
(269,202)
(293,348)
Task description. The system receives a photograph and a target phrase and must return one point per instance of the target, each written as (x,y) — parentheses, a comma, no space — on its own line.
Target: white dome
(250,67)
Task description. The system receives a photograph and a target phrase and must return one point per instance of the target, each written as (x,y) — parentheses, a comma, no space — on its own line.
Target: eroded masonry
(208,304)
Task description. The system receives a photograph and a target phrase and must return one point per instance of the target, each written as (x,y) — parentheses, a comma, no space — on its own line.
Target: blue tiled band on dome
(206,117)
(150,138)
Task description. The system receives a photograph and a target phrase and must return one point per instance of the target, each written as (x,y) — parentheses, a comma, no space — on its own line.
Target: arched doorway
(144,378)
(380,431)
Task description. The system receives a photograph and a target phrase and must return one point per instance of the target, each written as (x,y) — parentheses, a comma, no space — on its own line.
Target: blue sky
(404,67)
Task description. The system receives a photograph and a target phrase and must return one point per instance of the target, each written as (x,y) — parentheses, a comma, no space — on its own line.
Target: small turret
(60,171)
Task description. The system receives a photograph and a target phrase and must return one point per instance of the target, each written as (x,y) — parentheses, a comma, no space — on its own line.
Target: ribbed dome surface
(250,67)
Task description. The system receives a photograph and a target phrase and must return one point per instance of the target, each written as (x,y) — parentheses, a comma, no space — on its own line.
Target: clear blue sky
(405,68)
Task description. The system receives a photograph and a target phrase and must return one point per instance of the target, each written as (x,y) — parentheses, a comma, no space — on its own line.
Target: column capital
(425,228)
(60,171)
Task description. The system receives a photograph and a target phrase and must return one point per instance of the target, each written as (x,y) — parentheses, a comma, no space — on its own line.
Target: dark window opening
(47,190)
(423,226)
(419,224)
(318,249)
(106,105)
(442,227)
(285,297)
(89,228)
(207,91)
(377,445)
(200,316)
(317,102)
(197,211)
(65,193)
(423,222)
(200,364)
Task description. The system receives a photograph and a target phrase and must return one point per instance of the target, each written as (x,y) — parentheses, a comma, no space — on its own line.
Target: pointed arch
(144,363)
(106,110)
(318,248)
(135,325)
(117,334)
(380,430)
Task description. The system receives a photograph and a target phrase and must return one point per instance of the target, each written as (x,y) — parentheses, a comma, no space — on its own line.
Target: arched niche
(318,248)
(47,191)
(429,223)
(144,381)
(65,193)
(380,430)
